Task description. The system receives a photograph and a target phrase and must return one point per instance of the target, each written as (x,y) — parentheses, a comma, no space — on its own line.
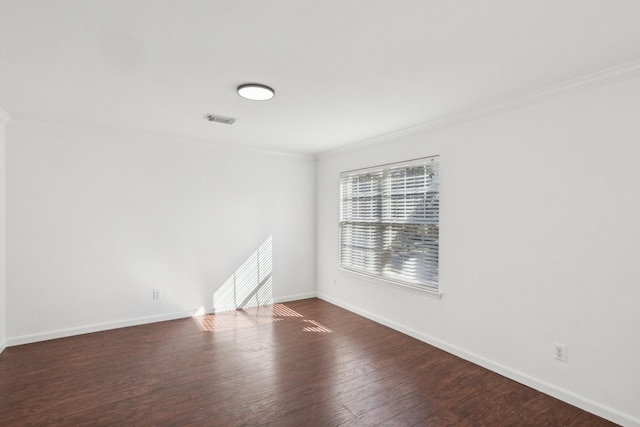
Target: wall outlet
(157,294)
(560,352)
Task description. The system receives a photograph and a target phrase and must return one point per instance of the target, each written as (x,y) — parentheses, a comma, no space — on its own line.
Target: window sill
(415,289)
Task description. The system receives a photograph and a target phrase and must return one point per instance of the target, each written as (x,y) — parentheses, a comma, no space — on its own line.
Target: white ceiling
(343,71)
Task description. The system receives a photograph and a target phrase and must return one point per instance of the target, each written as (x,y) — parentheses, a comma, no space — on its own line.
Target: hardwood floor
(304,363)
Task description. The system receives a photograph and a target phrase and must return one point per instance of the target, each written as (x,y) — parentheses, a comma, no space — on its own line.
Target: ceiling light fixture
(256,92)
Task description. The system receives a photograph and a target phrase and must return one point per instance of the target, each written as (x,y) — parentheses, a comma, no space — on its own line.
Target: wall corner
(4,119)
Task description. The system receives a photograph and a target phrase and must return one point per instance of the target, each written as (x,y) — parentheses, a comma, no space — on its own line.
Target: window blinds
(389,221)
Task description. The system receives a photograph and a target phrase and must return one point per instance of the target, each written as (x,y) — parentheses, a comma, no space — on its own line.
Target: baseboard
(296,297)
(3,345)
(87,329)
(542,386)
(276,300)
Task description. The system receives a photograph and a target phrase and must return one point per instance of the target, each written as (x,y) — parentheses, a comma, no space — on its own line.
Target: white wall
(540,243)
(4,118)
(98,219)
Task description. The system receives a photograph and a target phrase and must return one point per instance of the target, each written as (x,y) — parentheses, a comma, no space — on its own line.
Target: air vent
(220,119)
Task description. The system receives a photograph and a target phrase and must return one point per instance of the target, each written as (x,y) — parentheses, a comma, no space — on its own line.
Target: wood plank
(301,363)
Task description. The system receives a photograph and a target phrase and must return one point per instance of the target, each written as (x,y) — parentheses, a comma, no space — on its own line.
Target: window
(389,221)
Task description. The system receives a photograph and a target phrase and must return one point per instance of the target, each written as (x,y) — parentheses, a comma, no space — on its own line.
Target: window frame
(392,211)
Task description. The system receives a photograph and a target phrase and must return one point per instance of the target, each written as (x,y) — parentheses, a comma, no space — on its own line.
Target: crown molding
(622,72)
(123,133)
(4,116)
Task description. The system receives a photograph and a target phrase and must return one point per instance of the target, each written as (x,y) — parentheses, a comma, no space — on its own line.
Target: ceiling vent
(220,119)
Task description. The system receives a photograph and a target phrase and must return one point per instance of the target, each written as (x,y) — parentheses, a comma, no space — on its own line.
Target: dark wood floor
(305,363)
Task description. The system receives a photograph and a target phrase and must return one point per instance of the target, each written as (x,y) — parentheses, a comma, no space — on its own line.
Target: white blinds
(389,222)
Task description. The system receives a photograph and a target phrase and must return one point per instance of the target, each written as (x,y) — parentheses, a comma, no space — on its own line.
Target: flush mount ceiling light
(256,92)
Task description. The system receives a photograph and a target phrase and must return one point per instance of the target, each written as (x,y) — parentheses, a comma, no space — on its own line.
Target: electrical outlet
(560,352)
(157,294)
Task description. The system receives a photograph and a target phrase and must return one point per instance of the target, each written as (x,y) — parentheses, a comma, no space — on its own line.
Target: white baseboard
(547,388)
(87,329)
(3,345)
(294,297)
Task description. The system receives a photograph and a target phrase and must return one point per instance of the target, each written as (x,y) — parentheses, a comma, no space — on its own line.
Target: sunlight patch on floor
(317,327)
(253,316)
